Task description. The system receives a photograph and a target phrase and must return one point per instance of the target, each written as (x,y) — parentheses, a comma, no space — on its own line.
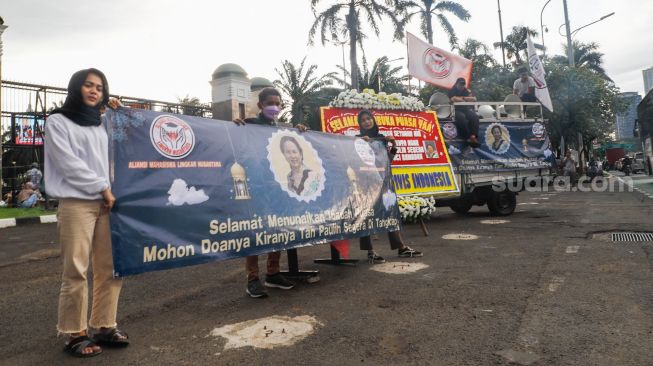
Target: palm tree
(381,75)
(479,53)
(300,85)
(515,44)
(427,9)
(344,19)
(585,55)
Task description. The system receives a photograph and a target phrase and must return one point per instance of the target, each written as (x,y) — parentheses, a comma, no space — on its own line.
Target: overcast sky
(166,49)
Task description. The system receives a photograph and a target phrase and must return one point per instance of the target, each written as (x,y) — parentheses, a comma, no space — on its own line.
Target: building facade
(648,79)
(233,94)
(625,124)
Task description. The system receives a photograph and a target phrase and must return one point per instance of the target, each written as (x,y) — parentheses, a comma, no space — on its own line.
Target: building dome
(260,83)
(237,171)
(229,69)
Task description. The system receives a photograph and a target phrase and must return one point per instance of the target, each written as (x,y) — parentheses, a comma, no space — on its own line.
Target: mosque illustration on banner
(239,177)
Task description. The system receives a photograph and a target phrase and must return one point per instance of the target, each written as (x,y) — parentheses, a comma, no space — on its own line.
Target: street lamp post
(570,50)
(503,53)
(2,29)
(570,56)
(542,25)
(378,71)
(344,66)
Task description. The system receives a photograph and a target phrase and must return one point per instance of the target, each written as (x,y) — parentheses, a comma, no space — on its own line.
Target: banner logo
(172,137)
(538,130)
(437,64)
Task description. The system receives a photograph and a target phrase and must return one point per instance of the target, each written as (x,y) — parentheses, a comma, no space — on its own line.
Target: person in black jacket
(466,119)
(369,130)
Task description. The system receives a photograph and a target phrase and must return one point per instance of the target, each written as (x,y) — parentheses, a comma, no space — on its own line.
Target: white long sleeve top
(76,159)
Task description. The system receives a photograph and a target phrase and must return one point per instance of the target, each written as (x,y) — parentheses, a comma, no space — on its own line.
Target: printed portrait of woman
(296,166)
(497,138)
(430,151)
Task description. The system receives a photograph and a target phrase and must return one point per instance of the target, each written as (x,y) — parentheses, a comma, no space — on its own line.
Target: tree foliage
(430,10)
(583,101)
(585,55)
(344,19)
(515,44)
(381,73)
(300,84)
(190,106)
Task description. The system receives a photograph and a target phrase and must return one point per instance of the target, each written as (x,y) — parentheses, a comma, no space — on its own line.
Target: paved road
(541,289)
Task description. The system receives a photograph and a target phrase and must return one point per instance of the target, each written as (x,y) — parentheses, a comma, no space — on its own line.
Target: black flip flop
(111,338)
(75,347)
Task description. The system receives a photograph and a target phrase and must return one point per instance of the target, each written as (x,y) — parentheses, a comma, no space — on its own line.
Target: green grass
(6,213)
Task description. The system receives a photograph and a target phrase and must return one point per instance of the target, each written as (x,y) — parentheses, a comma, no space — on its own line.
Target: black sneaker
(374,258)
(278,281)
(255,289)
(409,252)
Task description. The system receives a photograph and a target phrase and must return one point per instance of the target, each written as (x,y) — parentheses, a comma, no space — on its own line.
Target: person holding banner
(466,119)
(369,130)
(269,102)
(77,173)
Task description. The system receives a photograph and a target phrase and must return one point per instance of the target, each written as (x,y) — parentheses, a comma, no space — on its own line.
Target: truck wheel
(502,203)
(461,206)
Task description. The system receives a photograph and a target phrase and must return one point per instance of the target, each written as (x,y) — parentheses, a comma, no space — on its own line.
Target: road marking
(48,219)
(399,267)
(527,203)
(268,333)
(555,283)
(572,249)
(459,237)
(4,223)
(494,222)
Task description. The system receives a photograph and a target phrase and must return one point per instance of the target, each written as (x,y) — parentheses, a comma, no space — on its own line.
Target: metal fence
(22,119)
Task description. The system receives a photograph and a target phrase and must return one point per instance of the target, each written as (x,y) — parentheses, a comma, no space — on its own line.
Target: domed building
(233,94)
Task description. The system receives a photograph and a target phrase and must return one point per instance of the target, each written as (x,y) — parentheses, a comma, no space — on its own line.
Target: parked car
(639,164)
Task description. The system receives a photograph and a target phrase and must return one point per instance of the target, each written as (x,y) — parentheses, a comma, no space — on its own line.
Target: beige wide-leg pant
(84,236)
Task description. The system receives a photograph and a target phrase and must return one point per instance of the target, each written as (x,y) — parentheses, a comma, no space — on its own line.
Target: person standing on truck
(524,87)
(466,119)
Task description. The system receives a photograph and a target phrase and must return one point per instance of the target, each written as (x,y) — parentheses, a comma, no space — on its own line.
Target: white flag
(434,65)
(537,70)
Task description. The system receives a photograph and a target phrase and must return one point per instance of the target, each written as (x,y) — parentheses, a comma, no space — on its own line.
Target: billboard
(421,165)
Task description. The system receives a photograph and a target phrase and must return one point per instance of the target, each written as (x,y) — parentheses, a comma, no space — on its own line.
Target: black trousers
(395,241)
(528,98)
(466,123)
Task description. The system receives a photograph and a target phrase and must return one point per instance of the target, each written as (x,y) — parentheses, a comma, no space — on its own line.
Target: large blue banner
(191,190)
(504,146)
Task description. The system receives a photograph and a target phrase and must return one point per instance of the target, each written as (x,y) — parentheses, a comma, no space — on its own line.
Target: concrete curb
(20,221)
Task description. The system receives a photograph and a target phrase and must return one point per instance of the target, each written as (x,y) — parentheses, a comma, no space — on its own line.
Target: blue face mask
(271,112)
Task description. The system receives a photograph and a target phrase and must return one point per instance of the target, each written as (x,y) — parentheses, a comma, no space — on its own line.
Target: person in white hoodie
(77,173)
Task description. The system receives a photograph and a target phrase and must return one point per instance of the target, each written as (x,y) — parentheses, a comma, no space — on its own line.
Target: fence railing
(22,119)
